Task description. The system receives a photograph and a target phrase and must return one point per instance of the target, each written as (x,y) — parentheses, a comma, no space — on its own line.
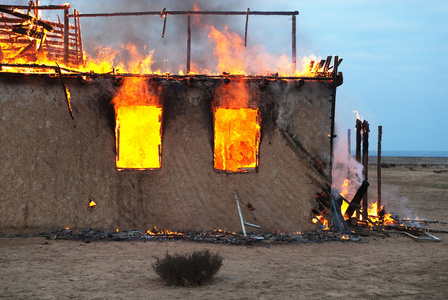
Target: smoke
(345,167)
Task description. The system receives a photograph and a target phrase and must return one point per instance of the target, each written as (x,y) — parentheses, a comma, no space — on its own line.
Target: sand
(380,267)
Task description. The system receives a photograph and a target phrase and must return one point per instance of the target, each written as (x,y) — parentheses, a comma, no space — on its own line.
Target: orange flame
(373,215)
(237,138)
(155,232)
(92,203)
(321,219)
(138,126)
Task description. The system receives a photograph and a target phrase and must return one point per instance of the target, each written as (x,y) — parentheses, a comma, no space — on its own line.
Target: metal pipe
(235,192)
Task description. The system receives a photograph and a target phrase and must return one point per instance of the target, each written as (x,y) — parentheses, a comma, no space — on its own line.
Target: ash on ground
(209,236)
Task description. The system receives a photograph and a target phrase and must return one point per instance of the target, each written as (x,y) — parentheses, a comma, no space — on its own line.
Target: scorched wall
(52,166)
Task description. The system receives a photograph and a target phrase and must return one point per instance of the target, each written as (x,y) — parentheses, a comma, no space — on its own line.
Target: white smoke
(345,167)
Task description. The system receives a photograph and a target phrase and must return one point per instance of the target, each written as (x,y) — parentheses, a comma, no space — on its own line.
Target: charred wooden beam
(40,7)
(293,42)
(378,168)
(245,30)
(66,92)
(356,201)
(358,139)
(333,114)
(324,182)
(188,44)
(365,160)
(192,12)
(164,14)
(327,63)
(45,25)
(66,34)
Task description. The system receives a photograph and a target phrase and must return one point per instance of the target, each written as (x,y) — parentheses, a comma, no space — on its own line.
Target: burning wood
(356,201)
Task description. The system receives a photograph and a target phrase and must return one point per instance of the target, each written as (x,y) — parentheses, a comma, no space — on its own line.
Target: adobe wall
(52,165)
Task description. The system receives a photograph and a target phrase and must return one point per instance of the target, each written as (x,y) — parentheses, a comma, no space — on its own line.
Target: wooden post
(245,31)
(378,169)
(293,36)
(79,41)
(358,140)
(365,161)
(333,113)
(188,43)
(76,35)
(66,35)
(349,143)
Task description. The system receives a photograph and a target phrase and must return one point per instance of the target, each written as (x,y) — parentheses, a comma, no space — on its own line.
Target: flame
(237,138)
(358,115)
(321,219)
(373,215)
(92,203)
(155,232)
(228,48)
(344,193)
(138,126)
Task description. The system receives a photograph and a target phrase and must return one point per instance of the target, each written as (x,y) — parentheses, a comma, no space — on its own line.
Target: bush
(189,269)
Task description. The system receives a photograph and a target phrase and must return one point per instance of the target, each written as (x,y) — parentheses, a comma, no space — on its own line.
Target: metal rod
(192,12)
(235,192)
(294,51)
(188,43)
(66,35)
(378,170)
(245,31)
(251,225)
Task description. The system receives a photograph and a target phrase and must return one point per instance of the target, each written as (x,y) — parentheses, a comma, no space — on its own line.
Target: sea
(405,153)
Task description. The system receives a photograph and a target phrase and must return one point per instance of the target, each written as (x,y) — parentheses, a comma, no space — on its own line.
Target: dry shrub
(191,269)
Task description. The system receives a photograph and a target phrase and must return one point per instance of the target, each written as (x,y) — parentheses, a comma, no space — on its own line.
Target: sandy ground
(395,267)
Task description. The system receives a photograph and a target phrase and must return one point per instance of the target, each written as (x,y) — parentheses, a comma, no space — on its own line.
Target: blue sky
(394,55)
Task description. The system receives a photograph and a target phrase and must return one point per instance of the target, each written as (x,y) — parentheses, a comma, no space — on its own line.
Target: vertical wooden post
(76,35)
(333,112)
(245,31)
(66,35)
(349,143)
(294,51)
(358,140)
(81,53)
(188,43)
(378,164)
(365,161)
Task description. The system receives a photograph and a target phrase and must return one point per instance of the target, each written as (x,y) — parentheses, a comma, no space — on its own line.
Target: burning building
(159,150)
